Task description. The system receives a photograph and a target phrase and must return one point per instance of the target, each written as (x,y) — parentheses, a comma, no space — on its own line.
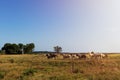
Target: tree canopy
(18,48)
(58,49)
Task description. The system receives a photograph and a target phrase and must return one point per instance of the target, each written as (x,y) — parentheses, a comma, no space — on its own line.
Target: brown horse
(51,55)
(66,56)
(81,56)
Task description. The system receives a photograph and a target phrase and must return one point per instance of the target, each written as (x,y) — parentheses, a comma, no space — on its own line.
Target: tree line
(12,48)
(20,48)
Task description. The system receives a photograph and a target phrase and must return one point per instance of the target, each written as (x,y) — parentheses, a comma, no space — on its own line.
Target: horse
(81,56)
(91,54)
(97,55)
(51,55)
(68,56)
(104,55)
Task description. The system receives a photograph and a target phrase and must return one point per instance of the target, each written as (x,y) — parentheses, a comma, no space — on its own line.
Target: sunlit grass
(38,67)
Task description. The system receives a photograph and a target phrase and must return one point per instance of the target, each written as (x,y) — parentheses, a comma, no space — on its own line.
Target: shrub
(2,74)
(28,72)
(11,60)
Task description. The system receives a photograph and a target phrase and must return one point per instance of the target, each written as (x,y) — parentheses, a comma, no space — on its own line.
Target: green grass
(38,67)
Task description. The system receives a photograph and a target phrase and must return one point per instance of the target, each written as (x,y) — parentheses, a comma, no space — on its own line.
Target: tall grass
(38,67)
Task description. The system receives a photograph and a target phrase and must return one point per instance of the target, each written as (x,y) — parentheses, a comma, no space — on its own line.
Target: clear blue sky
(75,25)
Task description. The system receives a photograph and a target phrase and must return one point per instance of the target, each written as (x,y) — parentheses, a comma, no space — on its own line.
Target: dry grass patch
(38,67)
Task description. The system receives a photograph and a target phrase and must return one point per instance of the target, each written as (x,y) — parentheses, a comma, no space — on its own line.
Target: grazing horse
(78,55)
(104,55)
(91,54)
(81,56)
(51,55)
(98,55)
(68,56)
(74,56)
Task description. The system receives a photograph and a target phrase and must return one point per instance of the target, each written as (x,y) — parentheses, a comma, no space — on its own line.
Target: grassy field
(38,67)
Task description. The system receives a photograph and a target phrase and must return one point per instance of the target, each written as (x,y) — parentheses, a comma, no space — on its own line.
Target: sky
(75,25)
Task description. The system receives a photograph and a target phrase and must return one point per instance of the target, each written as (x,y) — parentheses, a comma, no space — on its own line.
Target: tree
(15,48)
(21,47)
(31,46)
(28,48)
(18,48)
(58,49)
(10,48)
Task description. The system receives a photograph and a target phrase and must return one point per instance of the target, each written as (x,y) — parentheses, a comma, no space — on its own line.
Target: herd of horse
(90,55)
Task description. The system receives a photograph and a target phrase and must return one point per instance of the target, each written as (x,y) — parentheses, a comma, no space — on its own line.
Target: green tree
(21,47)
(28,48)
(15,48)
(58,49)
(10,48)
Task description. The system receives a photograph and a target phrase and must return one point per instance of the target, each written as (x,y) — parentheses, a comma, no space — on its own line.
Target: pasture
(38,67)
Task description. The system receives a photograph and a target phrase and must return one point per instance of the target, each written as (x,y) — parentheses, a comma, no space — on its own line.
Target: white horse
(97,55)
(104,55)
(91,54)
